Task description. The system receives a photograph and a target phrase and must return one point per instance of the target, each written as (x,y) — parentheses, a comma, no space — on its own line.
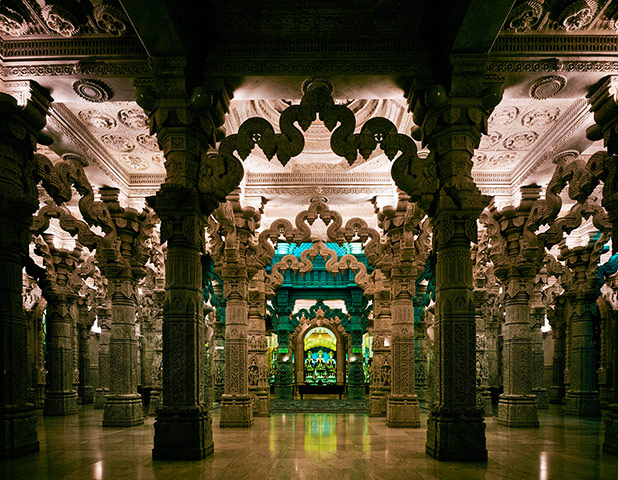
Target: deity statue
(331,367)
(309,368)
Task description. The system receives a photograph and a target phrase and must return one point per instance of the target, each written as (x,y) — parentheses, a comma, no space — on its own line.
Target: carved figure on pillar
(258,361)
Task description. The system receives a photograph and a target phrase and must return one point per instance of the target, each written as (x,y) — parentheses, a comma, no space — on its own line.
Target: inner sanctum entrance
(320,349)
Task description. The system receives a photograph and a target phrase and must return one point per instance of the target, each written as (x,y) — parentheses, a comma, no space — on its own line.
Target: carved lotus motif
(98,120)
(503,160)
(503,116)
(135,162)
(149,142)
(133,118)
(479,159)
(540,117)
(525,16)
(118,143)
(490,140)
(520,141)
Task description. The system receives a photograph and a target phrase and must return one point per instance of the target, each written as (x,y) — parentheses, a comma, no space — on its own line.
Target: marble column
(235,402)
(556,320)
(60,291)
(356,375)
(582,396)
(420,348)
(451,125)
(380,379)
(104,316)
(283,311)
(538,358)
(123,270)
(156,366)
(402,408)
(517,405)
(259,387)
(183,426)
(85,390)
(218,355)
(20,127)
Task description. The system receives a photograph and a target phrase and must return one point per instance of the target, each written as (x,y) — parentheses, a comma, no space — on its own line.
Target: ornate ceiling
(549,54)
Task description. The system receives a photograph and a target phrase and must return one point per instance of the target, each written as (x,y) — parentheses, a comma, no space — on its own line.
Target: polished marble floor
(314,446)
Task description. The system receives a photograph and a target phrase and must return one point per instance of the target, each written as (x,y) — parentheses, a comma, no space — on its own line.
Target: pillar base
(60,403)
(610,445)
(457,436)
(403,411)
(155,402)
(99,397)
(283,392)
(236,411)
(542,398)
(377,405)
(123,411)
(86,395)
(18,432)
(517,411)
(483,401)
(356,391)
(182,434)
(263,405)
(556,395)
(583,404)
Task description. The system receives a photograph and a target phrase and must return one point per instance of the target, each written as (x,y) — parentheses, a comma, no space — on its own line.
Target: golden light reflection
(98,470)
(543,466)
(321,433)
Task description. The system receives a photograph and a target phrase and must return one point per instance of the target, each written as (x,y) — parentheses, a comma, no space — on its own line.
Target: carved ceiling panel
(121,128)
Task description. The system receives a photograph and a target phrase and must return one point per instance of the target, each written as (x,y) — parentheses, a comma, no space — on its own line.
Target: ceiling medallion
(98,120)
(504,116)
(520,141)
(92,90)
(118,143)
(135,162)
(133,118)
(547,87)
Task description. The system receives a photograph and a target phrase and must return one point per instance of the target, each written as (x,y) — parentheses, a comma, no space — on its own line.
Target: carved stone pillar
(156,367)
(582,289)
(123,270)
(235,402)
(556,320)
(356,375)
(402,408)
(452,125)
(183,427)
(19,129)
(420,348)
(517,405)
(517,261)
(483,397)
(380,379)
(259,387)
(283,382)
(104,316)
(59,286)
(538,358)
(86,390)
(219,353)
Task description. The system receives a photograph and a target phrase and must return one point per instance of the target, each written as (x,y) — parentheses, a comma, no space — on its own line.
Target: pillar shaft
(123,405)
(104,315)
(517,405)
(236,408)
(183,427)
(283,382)
(258,369)
(402,409)
(380,379)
